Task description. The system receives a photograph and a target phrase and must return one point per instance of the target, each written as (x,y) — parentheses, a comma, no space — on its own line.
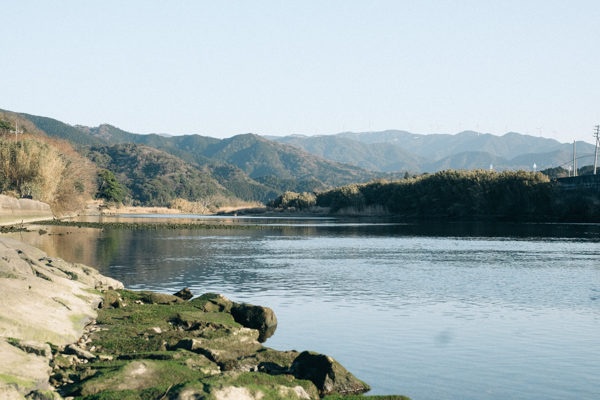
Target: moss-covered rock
(165,349)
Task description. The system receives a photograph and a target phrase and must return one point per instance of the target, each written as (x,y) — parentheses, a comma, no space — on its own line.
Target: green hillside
(259,157)
(153,177)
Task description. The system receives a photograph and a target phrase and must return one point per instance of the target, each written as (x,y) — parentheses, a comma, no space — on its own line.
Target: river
(430,311)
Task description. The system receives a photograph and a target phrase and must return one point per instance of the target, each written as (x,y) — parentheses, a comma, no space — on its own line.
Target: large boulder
(255,317)
(185,294)
(327,374)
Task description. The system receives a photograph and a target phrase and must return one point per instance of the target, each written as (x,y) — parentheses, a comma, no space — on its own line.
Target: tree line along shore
(457,195)
(51,171)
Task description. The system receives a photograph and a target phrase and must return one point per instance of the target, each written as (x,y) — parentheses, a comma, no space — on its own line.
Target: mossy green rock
(193,350)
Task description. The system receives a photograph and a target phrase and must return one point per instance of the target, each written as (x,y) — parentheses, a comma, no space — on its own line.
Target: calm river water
(451,311)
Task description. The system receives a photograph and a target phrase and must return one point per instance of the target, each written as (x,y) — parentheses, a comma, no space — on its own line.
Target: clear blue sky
(223,68)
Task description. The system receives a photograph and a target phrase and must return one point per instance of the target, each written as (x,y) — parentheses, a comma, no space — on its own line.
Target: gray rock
(79,352)
(40,349)
(255,317)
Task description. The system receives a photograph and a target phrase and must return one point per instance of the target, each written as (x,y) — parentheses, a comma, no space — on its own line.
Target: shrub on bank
(45,170)
(299,201)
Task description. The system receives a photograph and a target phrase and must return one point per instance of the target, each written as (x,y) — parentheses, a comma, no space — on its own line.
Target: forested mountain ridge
(254,155)
(252,167)
(260,157)
(153,177)
(374,156)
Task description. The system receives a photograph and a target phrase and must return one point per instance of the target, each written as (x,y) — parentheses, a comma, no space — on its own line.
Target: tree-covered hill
(259,157)
(153,177)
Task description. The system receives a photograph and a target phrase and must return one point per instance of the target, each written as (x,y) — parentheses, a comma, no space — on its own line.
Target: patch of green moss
(78,320)
(92,291)
(128,295)
(9,379)
(127,377)
(13,341)
(119,342)
(215,317)
(202,300)
(282,358)
(84,298)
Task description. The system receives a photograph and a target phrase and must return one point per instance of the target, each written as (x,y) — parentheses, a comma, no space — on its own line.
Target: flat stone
(79,352)
(37,348)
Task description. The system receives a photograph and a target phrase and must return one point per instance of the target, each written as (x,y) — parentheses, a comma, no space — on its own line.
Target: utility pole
(16,131)
(574,158)
(597,133)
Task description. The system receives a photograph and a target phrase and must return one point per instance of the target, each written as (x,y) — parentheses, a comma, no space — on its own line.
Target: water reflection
(433,311)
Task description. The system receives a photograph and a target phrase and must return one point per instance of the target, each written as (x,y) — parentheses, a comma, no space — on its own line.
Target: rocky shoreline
(67,332)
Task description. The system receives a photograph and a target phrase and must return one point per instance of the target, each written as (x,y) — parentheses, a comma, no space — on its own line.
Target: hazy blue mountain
(438,146)
(468,160)
(376,156)
(483,160)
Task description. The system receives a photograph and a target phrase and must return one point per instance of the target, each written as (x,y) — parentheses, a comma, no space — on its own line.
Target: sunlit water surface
(453,311)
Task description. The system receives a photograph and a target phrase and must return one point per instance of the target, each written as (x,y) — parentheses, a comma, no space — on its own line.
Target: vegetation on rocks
(146,345)
(45,170)
(297,201)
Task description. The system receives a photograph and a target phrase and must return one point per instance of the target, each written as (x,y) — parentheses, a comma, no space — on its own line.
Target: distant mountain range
(247,166)
(252,167)
(432,153)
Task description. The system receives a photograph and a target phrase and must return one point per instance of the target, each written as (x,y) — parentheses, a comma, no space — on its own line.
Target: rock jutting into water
(56,344)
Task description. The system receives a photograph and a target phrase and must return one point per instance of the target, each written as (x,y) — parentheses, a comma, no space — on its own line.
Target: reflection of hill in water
(208,258)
